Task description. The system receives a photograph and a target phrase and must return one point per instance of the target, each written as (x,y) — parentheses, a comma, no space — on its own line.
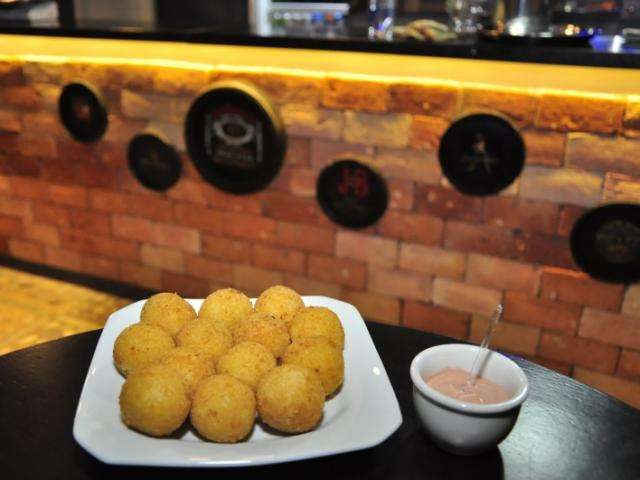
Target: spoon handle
(495,319)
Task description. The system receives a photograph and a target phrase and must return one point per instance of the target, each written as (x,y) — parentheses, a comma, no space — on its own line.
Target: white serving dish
(363,414)
(460,427)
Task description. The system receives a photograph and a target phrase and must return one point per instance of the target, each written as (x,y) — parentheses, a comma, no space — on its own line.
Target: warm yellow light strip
(373,66)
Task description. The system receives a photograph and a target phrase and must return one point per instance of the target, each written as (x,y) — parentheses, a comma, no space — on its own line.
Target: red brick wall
(437,261)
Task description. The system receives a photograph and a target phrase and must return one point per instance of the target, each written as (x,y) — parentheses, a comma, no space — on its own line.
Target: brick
(356,95)
(426,132)
(49,95)
(547,314)
(431,318)
(152,207)
(631,120)
(448,203)
(163,258)
(415,165)
(432,261)
(309,238)
(58,170)
(621,188)
(178,237)
(544,249)
(51,214)
(108,201)
(464,297)
(544,148)
(565,112)
(234,203)
(11,73)
(141,275)
(42,233)
(569,214)
(132,228)
(95,175)
(624,390)
(95,222)
(298,151)
(10,122)
(378,251)
(304,121)
(290,208)
(254,280)
(425,99)
(226,249)
(68,195)
(603,153)
(610,327)
(43,71)
(374,307)
(281,259)
(577,287)
(10,226)
(566,186)
(180,81)
(15,164)
(400,284)
(631,303)
(485,239)
(5,185)
(185,285)
(412,227)
(324,152)
(250,227)
(86,242)
(146,106)
(401,193)
(506,336)
(208,269)
(26,250)
(62,258)
(42,146)
(282,88)
(579,351)
(629,364)
(189,190)
(44,121)
(23,96)
(501,274)
(342,271)
(100,267)
(390,130)
(202,218)
(14,207)
(526,215)
(519,105)
(309,286)
(302,182)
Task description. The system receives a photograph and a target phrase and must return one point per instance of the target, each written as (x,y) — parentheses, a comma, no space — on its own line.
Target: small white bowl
(460,427)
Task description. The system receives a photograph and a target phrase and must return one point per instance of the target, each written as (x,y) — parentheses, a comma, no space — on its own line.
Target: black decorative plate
(153,162)
(605,243)
(481,154)
(82,112)
(351,194)
(235,137)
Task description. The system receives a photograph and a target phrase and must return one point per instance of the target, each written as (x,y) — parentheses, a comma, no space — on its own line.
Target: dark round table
(566,430)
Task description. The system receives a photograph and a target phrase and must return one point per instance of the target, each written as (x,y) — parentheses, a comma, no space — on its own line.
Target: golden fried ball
(281,302)
(266,330)
(191,364)
(204,336)
(290,399)
(248,362)
(226,307)
(168,311)
(318,322)
(139,346)
(154,401)
(321,356)
(224,409)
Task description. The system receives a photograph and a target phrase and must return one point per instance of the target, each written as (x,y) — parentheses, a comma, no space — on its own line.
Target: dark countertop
(603,51)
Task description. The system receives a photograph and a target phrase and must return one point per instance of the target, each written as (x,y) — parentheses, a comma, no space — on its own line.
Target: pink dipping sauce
(452,382)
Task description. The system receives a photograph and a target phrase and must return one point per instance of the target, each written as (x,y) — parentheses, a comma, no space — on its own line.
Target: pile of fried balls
(227,363)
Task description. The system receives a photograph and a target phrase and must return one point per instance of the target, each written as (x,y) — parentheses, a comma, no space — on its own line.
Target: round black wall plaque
(605,243)
(235,137)
(481,154)
(351,194)
(82,112)
(153,162)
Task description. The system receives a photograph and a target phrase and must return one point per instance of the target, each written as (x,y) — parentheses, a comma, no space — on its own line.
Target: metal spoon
(495,319)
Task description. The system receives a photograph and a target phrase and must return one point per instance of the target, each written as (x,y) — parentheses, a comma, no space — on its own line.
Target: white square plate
(363,414)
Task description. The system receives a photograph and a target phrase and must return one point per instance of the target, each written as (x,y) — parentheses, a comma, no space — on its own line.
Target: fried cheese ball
(321,356)
(204,336)
(318,322)
(290,399)
(248,362)
(154,401)
(281,302)
(226,307)
(224,409)
(266,330)
(139,346)
(191,364)
(168,311)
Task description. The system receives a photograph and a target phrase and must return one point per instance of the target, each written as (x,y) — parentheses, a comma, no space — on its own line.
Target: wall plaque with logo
(352,194)
(605,243)
(82,112)
(481,154)
(235,137)
(154,162)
